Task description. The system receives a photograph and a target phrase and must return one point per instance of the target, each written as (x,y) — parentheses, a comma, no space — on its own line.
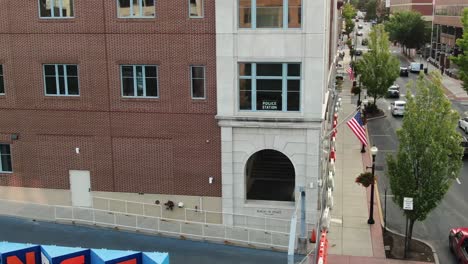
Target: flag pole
(338,124)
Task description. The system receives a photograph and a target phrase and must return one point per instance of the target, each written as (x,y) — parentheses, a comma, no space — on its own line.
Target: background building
(422,6)
(447,28)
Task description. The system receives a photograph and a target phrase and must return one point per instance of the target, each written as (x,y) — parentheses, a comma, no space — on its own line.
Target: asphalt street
(453,209)
(180,251)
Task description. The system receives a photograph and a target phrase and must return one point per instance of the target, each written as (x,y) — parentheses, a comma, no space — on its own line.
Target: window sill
(6,173)
(67,20)
(136,19)
(269,204)
(140,99)
(63,97)
(292,31)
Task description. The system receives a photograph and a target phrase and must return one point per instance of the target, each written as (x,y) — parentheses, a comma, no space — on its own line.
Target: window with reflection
(139,80)
(269,86)
(196,8)
(270,13)
(61,79)
(56,8)
(136,8)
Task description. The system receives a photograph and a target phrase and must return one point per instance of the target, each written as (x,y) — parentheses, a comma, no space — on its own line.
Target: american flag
(351,73)
(357,126)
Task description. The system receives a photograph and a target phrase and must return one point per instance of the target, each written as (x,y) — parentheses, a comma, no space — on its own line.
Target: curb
(379,205)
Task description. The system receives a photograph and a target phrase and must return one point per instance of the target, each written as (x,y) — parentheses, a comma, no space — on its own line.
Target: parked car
(393,91)
(360,26)
(463,124)
(358,52)
(364,42)
(357,19)
(398,108)
(458,244)
(415,67)
(359,33)
(464,144)
(404,71)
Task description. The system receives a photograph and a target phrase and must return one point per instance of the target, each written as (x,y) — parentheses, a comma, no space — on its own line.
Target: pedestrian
(442,70)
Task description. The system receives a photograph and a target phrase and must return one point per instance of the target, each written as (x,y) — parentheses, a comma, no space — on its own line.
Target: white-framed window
(61,79)
(270,87)
(56,9)
(5,158)
(136,8)
(270,13)
(139,80)
(2,84)
(196,8)
(198,86)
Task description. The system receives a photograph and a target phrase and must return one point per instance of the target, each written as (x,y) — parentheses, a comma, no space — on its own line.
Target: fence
(262,232)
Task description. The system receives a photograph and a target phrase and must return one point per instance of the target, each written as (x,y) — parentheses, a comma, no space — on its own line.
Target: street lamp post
(371,221)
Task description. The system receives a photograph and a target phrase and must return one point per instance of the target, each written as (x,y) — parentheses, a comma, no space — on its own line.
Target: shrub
(365,179)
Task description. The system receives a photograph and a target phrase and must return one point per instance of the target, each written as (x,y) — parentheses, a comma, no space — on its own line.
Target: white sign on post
(407,203)
(387,3)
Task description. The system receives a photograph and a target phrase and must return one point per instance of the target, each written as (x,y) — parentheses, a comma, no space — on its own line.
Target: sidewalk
(350,238)
(453,87)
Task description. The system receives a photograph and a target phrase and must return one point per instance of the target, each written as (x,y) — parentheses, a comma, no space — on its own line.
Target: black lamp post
(371,221)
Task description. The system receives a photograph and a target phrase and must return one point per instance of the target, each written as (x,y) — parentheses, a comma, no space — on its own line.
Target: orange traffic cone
(313,236)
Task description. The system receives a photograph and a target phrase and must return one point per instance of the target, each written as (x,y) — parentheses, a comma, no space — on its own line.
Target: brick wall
(168,145)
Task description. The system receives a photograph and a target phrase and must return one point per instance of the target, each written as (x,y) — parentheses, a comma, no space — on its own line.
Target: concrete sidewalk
(351,239)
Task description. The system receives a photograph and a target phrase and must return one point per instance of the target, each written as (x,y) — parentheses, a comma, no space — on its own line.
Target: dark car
(404,71)
(358,52)
(464,144)
(393,91)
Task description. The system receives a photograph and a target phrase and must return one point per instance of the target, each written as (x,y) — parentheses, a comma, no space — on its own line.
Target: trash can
(425,70)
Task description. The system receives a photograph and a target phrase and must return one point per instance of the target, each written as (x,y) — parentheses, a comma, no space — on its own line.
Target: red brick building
(126,92)
(422,6)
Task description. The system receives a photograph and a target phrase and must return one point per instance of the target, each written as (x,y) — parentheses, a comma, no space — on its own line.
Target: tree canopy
(371,9)
(429,155)
(378,67)
(349,12)
(462,59)
(407,28)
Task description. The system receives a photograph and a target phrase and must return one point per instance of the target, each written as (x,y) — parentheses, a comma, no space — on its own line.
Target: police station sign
(269,105)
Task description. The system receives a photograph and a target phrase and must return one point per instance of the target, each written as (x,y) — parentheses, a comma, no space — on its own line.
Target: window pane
(60,70)
(6,163)
(294,15)
(148,8)
(127,71)
(151,71)
(269,69)
(136,8)
(61,85)
(5,149)
(1,69)
(271,101)
(245,13)
(51,85)
(198,88)
(139,83)
(152,87)
(198,72)
(269,13)
(124,8)
(293,101)
(73,86)
(294,69)
(196,7)
(269,85)
(245,85)
(67,8)
(49,70)
(245,69)
(294,85)
(245,100)
(72,70)
(2,86)
(44,7)
(127,87)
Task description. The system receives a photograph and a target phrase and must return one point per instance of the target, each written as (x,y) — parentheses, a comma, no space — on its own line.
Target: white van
(398,108)
(415,67)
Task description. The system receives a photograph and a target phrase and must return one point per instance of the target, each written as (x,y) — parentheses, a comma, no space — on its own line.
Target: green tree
(407,28)
(429,155)
(349,26)
(371,9)
(349,12)
(359,4)
(462,59)
(378,67)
